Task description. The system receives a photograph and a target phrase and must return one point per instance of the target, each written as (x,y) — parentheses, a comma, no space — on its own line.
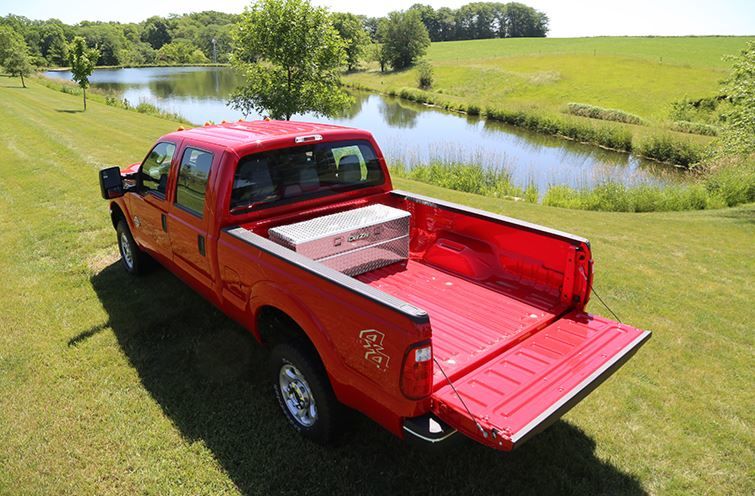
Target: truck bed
(471,322)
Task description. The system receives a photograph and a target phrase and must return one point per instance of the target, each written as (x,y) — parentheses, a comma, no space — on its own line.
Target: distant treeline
(184,39)
(188,38)
(476,21)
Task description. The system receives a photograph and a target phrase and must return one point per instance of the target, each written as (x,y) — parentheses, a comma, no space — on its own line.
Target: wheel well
(116,214)
(275,326)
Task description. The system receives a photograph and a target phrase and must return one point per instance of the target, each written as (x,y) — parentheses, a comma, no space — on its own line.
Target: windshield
(279,176)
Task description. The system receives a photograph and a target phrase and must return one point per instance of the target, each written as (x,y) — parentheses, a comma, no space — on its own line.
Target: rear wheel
(304,393)
(133,259)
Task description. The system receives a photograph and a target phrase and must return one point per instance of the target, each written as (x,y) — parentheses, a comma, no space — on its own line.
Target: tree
(290,56)
(52,42)
(156,32)
(181,52)
(430,18)
(380,55)
(738,134)
(404,38)
(14,54)
(82,60)
(351,29)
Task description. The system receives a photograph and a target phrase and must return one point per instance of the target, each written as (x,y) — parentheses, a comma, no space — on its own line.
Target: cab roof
(239,135)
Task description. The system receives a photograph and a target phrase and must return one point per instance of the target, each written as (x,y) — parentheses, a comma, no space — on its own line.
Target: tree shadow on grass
(209,377)
(70,111)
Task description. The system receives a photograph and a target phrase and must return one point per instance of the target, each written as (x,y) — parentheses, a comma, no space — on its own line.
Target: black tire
(133,259)
(315,386)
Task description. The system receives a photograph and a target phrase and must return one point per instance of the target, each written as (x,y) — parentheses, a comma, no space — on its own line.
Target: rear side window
(192,180)
(155,168)
(307,171)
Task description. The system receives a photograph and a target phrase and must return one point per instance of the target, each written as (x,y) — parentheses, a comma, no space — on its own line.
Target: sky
(569,18)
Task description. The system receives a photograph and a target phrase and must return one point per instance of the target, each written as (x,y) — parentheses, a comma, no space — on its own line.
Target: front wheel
(304,393)
(133,259)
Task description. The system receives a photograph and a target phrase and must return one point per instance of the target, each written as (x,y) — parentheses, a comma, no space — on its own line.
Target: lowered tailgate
(531,384)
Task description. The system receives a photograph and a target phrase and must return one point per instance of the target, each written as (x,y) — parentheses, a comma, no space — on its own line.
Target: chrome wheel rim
(297,395)
(128,257)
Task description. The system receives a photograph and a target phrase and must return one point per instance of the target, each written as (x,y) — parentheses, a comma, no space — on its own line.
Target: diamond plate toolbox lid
(342,232)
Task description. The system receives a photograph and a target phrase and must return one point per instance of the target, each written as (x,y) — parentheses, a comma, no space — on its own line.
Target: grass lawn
(118,385)
(642,76)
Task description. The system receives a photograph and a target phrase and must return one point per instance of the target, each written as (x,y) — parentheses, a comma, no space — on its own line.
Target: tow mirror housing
(111,183)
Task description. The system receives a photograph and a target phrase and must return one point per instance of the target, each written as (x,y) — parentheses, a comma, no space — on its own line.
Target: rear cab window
(306,171)
(155,168)
(193,173)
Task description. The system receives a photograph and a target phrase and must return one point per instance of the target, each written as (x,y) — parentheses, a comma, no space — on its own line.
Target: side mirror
(111,183)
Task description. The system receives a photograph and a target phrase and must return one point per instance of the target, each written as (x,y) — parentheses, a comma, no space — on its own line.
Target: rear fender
(267,293)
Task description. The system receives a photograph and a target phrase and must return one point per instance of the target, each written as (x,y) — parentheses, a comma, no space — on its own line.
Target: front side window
(307,171)
(155,168)
(192,180)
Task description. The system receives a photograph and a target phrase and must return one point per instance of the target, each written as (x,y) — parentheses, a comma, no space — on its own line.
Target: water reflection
(407,132)
(355,108)
(396,114)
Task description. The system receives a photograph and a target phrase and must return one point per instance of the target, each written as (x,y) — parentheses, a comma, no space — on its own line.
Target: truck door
(148,206)
(188,216)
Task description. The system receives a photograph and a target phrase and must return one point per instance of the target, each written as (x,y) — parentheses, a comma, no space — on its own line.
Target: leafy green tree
(14,54)
(52,42)
(156,32)
(290,56)
(404,38)
(371,26)
(351,29)
(738,136)
(379,54)
(108,38)
(181,52)
(82,60)
(430,18)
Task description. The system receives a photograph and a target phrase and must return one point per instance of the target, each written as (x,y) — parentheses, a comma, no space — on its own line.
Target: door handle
(200,244)
(164,222)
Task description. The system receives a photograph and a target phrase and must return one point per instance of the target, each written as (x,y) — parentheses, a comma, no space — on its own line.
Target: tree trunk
(85,99)
(23,83)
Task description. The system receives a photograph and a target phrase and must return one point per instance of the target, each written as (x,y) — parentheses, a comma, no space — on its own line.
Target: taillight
(417,372)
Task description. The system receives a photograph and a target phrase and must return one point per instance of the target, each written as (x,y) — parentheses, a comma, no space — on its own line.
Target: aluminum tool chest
(352,242)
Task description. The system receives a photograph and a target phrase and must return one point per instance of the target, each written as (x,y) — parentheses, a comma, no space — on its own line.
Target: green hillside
(642,76)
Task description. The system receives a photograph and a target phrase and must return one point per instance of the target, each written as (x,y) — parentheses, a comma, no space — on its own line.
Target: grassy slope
(638,75)
(115,385)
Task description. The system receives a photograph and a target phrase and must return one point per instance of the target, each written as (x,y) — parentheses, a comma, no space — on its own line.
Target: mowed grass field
(118,385)
(641,76)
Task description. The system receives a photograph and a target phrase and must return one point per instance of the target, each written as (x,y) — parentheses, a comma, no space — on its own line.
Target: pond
(407,132)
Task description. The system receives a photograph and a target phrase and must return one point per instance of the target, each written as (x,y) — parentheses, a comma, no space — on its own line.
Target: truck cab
(477,325)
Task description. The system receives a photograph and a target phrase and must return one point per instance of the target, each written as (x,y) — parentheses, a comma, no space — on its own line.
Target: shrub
(593,112)
(694,128)
(470,178)
(732,183)
(664,148)
(615,197)
(608,136)
(531,194)
(688,109)
(425,75)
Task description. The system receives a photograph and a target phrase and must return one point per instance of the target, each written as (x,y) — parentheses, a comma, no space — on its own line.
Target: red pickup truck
(429,317)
